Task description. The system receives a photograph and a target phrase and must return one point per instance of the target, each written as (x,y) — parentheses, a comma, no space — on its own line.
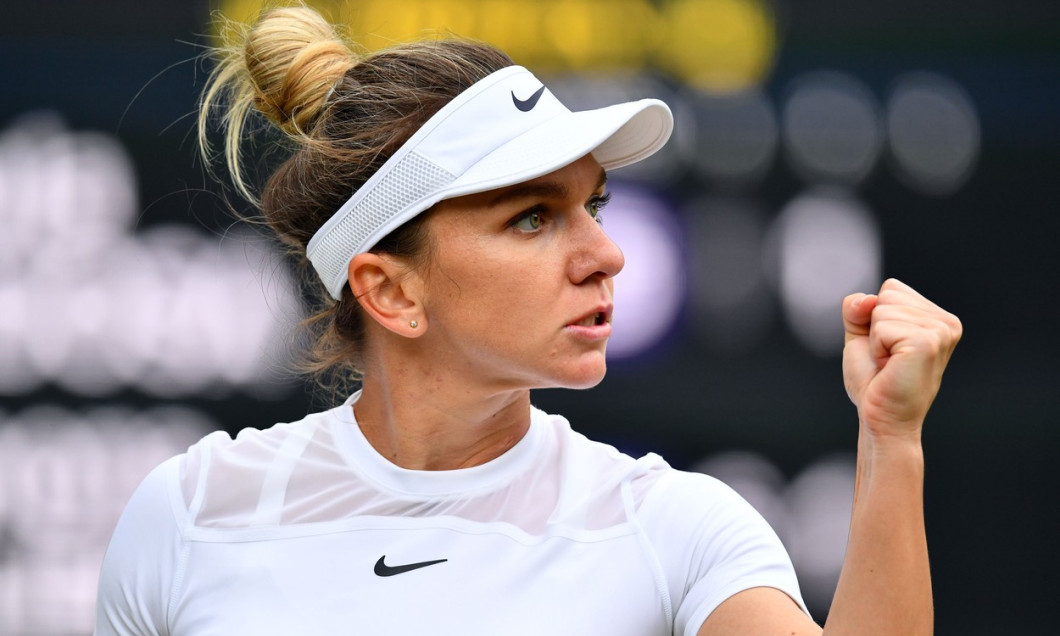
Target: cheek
(476,284)
(513,297)
(503,309)
(468,294)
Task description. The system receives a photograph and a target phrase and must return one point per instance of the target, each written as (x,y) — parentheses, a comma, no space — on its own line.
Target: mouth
(594,320)
(597,318)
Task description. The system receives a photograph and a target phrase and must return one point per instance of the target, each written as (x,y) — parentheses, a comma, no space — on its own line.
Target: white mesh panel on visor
(411,179)
(505,129)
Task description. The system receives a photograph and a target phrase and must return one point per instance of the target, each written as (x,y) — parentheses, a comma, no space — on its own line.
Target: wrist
(891,434)
(894,451)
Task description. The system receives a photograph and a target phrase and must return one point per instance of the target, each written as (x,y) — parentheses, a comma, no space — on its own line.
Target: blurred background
(820,147)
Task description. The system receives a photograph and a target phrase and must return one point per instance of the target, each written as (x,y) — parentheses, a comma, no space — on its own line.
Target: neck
(419,421)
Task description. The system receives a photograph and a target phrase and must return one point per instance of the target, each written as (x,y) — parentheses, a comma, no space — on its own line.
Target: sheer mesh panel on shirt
(322,487)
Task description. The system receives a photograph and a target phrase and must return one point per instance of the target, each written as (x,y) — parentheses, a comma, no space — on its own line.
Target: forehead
(578,179)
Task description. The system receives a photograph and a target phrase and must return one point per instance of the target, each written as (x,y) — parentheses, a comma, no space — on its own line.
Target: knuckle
(936,342)
(956,327)
(889,296)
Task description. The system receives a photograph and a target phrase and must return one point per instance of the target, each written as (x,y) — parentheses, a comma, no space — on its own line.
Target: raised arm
(897,345)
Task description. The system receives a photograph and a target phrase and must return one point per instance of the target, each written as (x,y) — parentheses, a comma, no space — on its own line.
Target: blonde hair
(342,116)
(283,66)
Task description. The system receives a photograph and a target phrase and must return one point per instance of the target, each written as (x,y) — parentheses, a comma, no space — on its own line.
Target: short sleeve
(711,544)
(142,560)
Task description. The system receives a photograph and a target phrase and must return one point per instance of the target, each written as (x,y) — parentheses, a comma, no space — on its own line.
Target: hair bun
(294,57)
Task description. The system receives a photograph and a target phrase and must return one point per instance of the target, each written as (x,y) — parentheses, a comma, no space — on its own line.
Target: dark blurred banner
(820,147)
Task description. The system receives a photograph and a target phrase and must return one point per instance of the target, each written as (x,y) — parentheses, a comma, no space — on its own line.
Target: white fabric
(480,141)
(278,531)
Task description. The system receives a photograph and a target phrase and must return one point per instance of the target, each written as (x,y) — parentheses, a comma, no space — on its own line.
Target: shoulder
(571,444)
(699,512)
(260,442)
(581,459)
(155,503)
(591,480)
(218,481)
(695,494)
(143,556)
(222,478)
(685,513)
(173,494)
(711,543)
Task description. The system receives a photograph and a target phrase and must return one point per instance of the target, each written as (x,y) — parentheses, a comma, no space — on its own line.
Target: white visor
(505,129)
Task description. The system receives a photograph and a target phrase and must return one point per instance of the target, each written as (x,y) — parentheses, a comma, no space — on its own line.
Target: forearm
(885,583)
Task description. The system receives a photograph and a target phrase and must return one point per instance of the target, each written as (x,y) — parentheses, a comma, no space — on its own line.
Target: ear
(389,293)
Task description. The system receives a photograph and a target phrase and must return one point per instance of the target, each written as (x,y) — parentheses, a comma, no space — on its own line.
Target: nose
(594,254)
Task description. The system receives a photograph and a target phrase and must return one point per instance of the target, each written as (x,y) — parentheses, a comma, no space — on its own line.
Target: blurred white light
(832,127)
(137,294)
(183,360)
(57,188)
(213,312)
(105,189)
(17,375)
(825,245)
(91,307)
(48,338)
(23,182)
(64,479)
(821,498)
(736,136)
(933,129)
(731,299)
(650,289)
(88,309)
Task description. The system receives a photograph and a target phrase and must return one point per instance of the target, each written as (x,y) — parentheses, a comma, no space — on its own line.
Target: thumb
(857,314)
(859,367)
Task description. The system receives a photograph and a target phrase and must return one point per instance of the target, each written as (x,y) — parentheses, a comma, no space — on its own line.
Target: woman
(449,205)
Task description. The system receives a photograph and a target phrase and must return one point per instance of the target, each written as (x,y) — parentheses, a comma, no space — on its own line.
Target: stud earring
(413,324)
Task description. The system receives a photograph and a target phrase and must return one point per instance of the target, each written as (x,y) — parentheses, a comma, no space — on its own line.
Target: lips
(599,316)
(593,327)
(591,321)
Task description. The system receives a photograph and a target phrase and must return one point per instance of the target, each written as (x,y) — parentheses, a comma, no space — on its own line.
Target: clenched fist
(897,345)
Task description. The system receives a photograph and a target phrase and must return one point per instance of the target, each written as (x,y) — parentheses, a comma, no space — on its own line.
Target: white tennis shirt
(303,528)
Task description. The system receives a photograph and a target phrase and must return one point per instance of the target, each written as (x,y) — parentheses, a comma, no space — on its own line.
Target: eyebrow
(544,189)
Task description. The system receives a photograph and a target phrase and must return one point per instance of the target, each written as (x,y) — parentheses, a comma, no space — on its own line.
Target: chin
(585,385)
(584,378)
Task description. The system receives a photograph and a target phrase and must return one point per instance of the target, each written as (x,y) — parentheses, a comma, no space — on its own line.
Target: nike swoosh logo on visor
(382,569)
(527,105)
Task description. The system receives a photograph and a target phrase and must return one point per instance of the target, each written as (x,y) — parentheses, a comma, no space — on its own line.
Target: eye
(530,221)
(597,205)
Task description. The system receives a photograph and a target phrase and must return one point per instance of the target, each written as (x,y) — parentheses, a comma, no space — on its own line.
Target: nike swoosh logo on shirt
(382,569)
(527,105)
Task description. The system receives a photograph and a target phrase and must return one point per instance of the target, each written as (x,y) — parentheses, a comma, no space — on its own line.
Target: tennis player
(449,208)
